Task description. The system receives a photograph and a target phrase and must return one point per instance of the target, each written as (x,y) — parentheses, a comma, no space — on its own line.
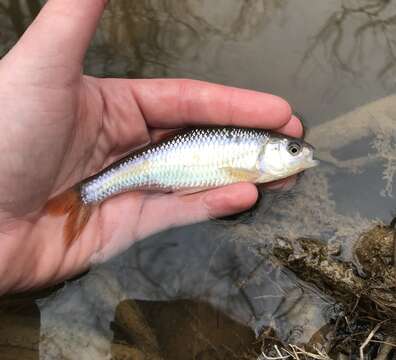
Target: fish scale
(194,159)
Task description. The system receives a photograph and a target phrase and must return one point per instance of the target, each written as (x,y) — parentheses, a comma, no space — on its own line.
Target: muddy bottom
(179,330)
(143,330)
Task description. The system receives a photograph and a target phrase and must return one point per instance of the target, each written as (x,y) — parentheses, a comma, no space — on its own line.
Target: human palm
(58,127)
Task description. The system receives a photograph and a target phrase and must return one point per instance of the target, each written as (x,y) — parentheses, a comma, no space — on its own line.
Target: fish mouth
(312,162)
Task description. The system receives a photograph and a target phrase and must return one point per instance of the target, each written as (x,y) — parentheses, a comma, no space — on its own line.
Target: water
(335,62)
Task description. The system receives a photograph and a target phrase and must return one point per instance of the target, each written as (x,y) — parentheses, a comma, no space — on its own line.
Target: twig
(295,352)
(386,342)
(367,341)
(386,347)
(279,357)
(318,356)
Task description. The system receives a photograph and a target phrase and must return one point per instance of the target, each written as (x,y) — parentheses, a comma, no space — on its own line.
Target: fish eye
(294,148)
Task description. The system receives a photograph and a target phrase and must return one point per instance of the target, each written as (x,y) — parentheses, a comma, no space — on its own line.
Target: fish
(191,160)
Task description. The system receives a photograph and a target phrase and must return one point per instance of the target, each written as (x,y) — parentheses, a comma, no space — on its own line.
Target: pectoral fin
(240,174)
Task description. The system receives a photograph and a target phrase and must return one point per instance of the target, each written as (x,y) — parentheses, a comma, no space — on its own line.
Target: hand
(58,127)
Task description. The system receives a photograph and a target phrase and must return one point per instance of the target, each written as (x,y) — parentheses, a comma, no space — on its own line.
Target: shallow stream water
(335,61)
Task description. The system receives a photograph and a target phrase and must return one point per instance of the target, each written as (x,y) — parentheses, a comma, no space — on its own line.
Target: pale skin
(58,127)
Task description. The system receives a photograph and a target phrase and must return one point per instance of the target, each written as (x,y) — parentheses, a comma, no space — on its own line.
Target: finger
(160,212)
(177,210)
(293,127)
(178,103)
(61,32)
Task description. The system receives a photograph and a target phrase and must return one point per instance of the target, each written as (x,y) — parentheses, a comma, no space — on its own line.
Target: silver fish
(202,158)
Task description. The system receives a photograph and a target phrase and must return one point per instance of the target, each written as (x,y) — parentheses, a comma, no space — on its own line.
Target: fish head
(283,156)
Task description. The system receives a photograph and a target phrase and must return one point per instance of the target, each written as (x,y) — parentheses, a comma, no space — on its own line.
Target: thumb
(61,33)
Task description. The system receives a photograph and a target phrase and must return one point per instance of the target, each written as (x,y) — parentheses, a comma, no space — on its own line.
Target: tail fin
(77,214)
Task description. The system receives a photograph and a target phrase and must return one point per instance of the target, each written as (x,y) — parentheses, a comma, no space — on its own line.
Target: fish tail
(77,214)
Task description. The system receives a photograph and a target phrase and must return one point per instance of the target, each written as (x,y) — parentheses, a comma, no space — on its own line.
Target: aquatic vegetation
(317,263)
(367,316)
(384,145)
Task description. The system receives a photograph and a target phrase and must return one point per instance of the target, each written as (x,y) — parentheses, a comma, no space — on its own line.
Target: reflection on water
(154,38)
(368,25)
(329,59)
